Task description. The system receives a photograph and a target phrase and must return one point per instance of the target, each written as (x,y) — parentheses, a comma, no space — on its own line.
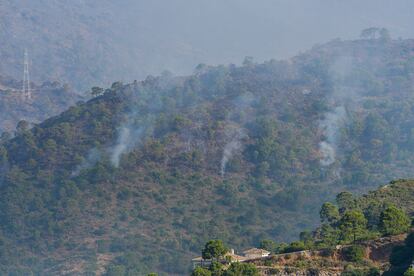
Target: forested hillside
(138,178)
(48,99)
(368,235)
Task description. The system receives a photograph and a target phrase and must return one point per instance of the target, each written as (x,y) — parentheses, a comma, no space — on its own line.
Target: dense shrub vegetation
(143,174)
(353,253)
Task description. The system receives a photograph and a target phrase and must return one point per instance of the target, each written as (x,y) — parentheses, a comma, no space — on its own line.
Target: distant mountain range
(83,43)
(94,42)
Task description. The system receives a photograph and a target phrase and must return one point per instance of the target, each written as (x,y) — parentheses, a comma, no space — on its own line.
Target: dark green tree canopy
(345,201)
(241,269)
(409,272)
(329,213)
(199,271)
(394,221)
(96,91)
(268,245)
(353,224)
(214,249)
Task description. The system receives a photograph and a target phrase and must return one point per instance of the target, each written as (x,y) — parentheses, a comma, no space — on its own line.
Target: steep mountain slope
(48,99)
(139,178)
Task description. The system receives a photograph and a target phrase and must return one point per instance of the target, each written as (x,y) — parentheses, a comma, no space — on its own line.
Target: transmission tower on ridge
(27,92)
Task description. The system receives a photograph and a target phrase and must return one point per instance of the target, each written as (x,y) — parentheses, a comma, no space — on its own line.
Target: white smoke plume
(236,136)
(234,133)
(328,153)
(121,146)
(128,137)
(334,119)
(93,157)
(330,128)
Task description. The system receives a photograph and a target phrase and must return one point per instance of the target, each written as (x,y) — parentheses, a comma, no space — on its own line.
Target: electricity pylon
(27,92)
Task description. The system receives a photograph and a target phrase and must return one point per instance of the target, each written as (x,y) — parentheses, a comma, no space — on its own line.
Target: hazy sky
(224,30)
(128,39)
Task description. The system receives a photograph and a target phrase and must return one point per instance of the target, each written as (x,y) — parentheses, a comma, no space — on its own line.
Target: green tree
(22,127)
(329,213)
(241,269)
(268,245)
(394,221)
(372,213)
(214,249)
(352,225)
(354,253)
(96,91)
(216,268)
(296,246)
(307,238)
(329,235)
(199,271)
(117,85)
(345,201)
(409,272)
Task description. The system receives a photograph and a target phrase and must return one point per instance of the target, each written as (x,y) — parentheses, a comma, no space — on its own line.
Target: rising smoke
(93,157)
(128,138)
(139,121)
(235,137)
(335,119)
(234,132)
(330,127)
